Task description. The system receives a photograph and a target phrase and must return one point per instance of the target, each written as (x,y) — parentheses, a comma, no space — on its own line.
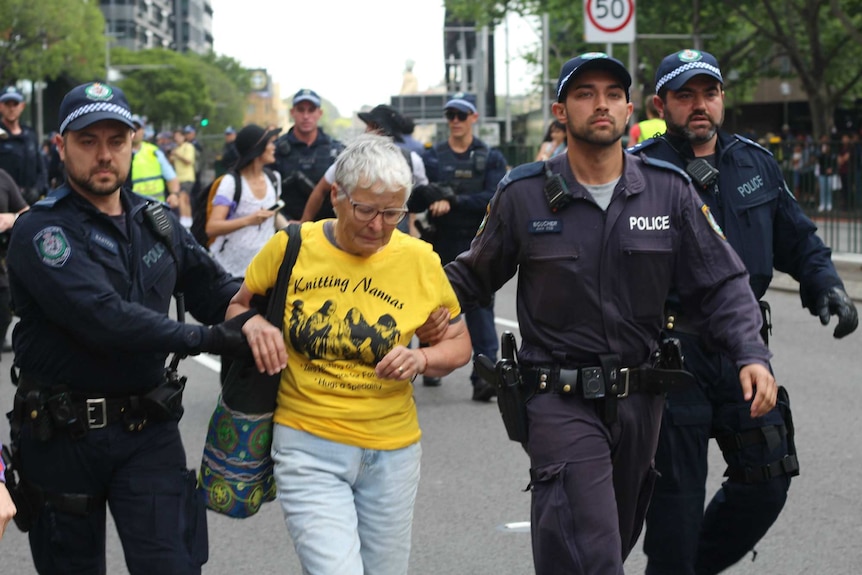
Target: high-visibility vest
(650,128)
(147,177)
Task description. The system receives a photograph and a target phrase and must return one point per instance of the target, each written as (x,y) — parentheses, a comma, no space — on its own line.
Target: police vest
(466,176)
(301,167)
(147,177)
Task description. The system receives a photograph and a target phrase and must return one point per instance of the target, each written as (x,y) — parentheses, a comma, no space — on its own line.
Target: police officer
(151,173)
(93,267)
(464,171)
(596,238)
(303,154)
(19,147)
(743,186)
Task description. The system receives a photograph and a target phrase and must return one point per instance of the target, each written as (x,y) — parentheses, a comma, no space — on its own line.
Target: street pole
(546,100)
(508,103)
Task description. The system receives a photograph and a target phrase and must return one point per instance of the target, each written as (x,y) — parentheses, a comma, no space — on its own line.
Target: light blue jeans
(348,510)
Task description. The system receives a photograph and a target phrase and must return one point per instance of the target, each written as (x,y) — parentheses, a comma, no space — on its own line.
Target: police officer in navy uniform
(20,155)
(597,237)
(95,420)
(303,154)
(743,186)
(464,171)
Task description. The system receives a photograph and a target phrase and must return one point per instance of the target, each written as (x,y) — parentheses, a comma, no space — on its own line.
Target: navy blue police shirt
(758,213)
(293,156)
(93,293)
(473,175)
(592,282)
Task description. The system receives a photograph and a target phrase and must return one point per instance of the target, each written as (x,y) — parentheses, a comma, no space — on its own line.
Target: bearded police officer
(597,237)
(743,186)
(92,268)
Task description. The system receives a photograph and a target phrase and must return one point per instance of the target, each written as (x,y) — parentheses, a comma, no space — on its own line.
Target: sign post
(609,21)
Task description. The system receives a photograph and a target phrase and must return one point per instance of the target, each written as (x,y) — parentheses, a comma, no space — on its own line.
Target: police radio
(556,191)
(702,172)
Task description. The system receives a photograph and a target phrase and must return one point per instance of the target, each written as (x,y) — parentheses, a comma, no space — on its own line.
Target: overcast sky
(351,52)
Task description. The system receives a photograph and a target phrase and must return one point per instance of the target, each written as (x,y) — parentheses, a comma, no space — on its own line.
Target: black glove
(835,301)
(226,338)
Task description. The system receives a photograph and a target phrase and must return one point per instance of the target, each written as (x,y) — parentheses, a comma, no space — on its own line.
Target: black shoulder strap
(237,187)
(271,175)
(275,309)
(408,157)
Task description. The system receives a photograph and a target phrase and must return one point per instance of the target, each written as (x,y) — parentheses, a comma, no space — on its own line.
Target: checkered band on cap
(94,108)
(700,65)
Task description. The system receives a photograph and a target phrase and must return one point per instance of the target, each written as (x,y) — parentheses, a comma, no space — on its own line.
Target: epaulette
(642,146)
(53,197)
(745,140)
(663,164)
(522,172)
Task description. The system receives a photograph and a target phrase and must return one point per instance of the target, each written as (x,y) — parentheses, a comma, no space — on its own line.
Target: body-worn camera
(556,192)
(701,172)
(592,382)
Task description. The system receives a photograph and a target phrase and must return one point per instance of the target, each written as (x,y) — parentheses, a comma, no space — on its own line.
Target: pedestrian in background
(346,439)
(151,173)
(229,154)
(303,154)
(20,154)
(241,228)
(593,277)
(651,127)
(11,206)
(93,270)
(743,186)
(465,172)
(554,142)
(184,159)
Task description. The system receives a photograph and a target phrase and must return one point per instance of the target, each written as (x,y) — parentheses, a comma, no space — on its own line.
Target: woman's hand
(401,363)
(267,345)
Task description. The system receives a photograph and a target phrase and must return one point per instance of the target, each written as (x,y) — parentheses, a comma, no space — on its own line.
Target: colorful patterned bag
(236,469)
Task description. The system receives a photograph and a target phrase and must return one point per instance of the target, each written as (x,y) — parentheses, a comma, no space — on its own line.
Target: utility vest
(146,173)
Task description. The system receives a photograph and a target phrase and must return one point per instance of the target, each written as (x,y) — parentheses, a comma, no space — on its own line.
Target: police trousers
(681,538)
(591,483)
(142,475)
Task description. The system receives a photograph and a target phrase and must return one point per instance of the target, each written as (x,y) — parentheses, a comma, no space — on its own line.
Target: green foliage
(818,41)
(47,38)
(172,89)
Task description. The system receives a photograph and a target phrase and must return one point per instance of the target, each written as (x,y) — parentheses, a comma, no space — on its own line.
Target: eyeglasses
(11,103)
(452,114)
(366,212)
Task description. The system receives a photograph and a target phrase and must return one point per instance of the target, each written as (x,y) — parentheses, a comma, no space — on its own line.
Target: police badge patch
(713,224)
(52,246)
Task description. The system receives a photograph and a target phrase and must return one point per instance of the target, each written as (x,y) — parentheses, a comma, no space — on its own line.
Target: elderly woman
(346,435)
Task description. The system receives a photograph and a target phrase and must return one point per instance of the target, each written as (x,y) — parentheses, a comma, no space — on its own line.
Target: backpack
(202,203)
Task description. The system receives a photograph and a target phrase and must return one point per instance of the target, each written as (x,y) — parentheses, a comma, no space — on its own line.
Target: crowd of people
(403,242)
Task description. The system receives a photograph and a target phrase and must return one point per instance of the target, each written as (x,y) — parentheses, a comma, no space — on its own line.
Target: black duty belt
(57,409)
(631,380)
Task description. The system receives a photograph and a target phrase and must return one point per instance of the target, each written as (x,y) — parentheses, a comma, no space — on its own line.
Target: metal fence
(840,227)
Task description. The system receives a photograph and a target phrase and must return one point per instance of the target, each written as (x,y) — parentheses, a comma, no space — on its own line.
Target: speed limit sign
(609,21)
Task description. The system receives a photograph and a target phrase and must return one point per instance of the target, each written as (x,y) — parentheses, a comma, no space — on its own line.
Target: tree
(43,39)
(823,50)
(751,39)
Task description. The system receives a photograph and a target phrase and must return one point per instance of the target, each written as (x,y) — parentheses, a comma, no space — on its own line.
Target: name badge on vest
(546,227)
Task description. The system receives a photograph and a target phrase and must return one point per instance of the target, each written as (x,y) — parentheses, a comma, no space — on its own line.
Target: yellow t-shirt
(185,171)
(343,314)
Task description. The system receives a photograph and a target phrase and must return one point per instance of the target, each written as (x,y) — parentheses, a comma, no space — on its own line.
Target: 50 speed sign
(609,21)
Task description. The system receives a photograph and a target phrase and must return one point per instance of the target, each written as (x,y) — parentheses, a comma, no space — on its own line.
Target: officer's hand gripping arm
(835,301)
